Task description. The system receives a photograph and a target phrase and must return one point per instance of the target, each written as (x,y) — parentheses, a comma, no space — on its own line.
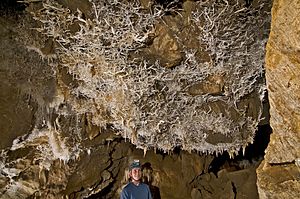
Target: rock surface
(282,69)
(278,181)
(278,176)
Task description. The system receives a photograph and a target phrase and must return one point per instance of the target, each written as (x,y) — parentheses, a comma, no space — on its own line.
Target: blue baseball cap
(135,164)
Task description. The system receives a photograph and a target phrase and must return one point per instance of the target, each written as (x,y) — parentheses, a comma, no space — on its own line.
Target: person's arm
(149,193)
(124,195)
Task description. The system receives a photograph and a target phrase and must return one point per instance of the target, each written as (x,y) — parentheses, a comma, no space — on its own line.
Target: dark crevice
(253,153)
(206,190)
(234,190)
(170,3)
(282,163)
(104,193)
(248,3)
(73,195)
(11,6)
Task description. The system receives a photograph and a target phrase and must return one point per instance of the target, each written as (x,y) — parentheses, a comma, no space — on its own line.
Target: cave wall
(278,175)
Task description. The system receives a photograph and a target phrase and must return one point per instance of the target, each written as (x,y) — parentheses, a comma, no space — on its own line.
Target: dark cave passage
(103,194)
(11,6)
(170,3)
(253,153)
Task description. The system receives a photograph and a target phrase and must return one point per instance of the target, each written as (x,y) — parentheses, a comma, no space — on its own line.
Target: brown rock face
(164,48)
(16,111)
(278,181)
(226,184)
(24,80)
(278,177)
(283,81)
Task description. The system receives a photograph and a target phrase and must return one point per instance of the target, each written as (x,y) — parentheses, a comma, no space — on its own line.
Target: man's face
(136,174)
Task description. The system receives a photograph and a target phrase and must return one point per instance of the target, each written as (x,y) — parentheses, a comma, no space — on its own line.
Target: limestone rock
(213,85)
(226,184)
(278,181)
(164,48)
(17,113)
(277,176)
(283,81)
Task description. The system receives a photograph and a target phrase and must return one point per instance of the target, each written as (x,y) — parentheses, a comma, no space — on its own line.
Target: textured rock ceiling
(191,78)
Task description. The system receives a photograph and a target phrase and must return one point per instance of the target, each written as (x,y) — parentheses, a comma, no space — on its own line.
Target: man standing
(135,189)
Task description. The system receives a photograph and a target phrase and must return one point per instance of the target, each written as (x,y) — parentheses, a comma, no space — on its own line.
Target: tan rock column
(278,175)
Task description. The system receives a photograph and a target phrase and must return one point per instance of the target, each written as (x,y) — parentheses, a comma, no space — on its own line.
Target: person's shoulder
(127,185)
(145,185)
(125,192)
(130,186)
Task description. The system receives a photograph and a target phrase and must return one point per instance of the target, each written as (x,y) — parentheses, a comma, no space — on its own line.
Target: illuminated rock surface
(278,175)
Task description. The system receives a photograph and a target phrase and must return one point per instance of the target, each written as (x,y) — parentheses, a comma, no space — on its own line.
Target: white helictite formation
(191,103)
